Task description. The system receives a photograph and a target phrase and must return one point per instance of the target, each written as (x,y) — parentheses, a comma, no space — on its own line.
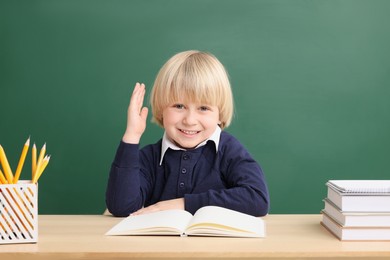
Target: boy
(196,163)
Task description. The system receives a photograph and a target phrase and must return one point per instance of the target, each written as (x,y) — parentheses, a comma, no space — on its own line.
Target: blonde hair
(192,76)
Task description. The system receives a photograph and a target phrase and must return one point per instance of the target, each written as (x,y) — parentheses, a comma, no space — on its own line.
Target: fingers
(162,205)
(146,210)
(144,113)
(152,208)
(136,115)
(137,98)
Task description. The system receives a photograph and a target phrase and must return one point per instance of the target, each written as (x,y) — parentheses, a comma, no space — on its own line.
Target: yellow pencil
(21,161)
(41,168)
(2,178)
(40,158)
(34,161)
(6,167)
(41,153)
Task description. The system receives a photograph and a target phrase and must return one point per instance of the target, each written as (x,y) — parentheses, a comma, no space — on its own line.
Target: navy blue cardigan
(229,178)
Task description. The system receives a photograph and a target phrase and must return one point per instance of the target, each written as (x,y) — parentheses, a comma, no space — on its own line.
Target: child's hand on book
(136,116)
(162,205)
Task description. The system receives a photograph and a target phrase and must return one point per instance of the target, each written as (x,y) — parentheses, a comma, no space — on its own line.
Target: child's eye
(178,106)
(204,108)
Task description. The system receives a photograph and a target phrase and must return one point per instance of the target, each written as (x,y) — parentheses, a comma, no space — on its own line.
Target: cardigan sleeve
(246,189)
(126,186)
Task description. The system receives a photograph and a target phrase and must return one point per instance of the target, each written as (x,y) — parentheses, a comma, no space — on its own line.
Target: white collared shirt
(166,143)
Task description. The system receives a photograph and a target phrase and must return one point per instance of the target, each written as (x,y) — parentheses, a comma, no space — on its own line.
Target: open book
(207,221)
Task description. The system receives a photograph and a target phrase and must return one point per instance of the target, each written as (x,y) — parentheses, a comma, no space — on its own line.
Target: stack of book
(358,209)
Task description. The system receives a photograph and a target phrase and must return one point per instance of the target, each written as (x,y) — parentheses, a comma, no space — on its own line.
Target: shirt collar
(166,143)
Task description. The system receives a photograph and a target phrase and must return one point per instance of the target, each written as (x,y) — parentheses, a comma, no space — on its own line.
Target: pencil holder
(18,213)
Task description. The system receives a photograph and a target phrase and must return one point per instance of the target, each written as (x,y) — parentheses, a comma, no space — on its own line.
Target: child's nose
(189,118)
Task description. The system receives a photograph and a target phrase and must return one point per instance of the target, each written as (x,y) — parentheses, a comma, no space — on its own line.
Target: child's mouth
(187,132)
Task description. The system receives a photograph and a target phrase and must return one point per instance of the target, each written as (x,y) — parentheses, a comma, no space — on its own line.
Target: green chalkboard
(311,81)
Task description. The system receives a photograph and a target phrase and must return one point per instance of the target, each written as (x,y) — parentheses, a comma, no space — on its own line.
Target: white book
(355,233)
(356,219)
(359,196)
(207,221)
(361,187)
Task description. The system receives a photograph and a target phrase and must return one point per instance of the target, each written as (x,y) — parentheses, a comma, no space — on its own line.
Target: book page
(361,186)
(219,221)
(168,222)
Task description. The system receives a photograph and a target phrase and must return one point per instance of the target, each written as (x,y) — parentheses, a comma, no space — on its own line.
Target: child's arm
(124,192)
(136,116)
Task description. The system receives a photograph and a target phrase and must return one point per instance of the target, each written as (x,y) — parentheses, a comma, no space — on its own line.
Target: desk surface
(288,236)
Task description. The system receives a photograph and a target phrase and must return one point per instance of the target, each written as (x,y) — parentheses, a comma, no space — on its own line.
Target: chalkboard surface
(311,81)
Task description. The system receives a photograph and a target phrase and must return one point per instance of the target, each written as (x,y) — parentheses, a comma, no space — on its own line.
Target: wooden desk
(288,236)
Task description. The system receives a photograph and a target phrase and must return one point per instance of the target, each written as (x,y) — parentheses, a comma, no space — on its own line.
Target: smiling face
(189,124)
(189,82)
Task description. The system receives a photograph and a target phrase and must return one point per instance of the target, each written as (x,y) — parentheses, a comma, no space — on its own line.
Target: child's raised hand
(136,116)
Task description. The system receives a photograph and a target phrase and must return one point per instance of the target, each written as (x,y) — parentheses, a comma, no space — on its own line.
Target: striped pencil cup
(18,213)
